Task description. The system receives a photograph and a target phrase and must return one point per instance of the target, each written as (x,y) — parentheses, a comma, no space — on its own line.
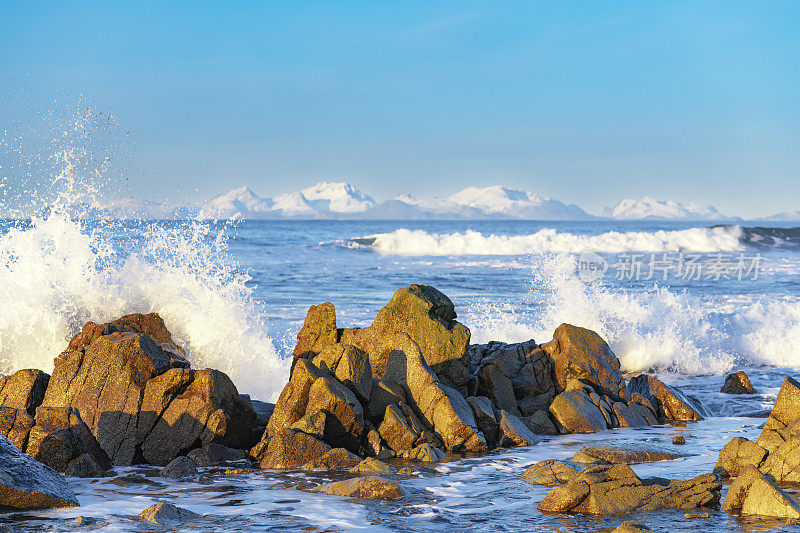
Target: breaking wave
(657,329)
(59,270)
(418,242)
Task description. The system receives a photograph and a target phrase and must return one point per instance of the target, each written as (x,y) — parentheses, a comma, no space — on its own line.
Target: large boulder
(290,449)
(738,455)
(614,489)
(440,407)
(28,484)
(669,402)
(344,422)
(134,389)
(737,383)
(783,463)
(519,378)
(514,432)
(575,412)
(24,389)
(582,354)
(428,317)
(485,417)
(753,493)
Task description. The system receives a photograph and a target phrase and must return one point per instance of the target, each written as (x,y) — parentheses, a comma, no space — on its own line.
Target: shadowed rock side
(410,385)
(737,383)
(139,397)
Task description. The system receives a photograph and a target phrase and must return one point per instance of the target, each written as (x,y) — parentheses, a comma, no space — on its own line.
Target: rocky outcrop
(668,402)
(134,389)
(16,425)
(582,354)
(737,383)
(24,389)
(365,487)
(514,432)
(28,484)
(318,331)
(777,450)
(753,493)
(424,453)
(610,489)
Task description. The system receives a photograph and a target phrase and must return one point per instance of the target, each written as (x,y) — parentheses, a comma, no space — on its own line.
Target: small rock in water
(737,383)
(424,453)
(406,471)
(165,513)
(365,487)
(692,516)
(679,439)
(632,527)
(180,467)
(83,466)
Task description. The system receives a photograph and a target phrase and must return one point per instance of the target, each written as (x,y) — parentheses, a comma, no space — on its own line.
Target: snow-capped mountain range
(342,200)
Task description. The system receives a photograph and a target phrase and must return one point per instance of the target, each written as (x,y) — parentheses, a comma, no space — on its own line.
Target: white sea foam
(418,242)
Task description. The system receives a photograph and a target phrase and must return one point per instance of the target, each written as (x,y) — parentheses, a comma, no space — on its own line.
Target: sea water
(234,294)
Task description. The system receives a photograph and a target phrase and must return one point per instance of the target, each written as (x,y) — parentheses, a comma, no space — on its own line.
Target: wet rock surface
(737,383)
(28,484)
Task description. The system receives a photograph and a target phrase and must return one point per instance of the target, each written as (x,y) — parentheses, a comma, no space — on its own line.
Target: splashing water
(60,269)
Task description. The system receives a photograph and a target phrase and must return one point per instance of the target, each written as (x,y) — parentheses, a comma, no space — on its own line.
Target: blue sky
(588,102)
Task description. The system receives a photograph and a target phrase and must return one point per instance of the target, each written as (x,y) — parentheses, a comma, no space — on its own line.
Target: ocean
(687,301)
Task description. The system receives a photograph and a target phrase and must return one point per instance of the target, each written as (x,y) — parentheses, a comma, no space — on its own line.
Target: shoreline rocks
(737,383)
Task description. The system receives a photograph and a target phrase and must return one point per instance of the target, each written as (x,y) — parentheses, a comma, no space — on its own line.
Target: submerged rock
(617,489)
(213,454)
(28,484)
(365,487)
(628,455)
(549,472)
(752,493)
(737,383)
(632,527)
(167,513)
